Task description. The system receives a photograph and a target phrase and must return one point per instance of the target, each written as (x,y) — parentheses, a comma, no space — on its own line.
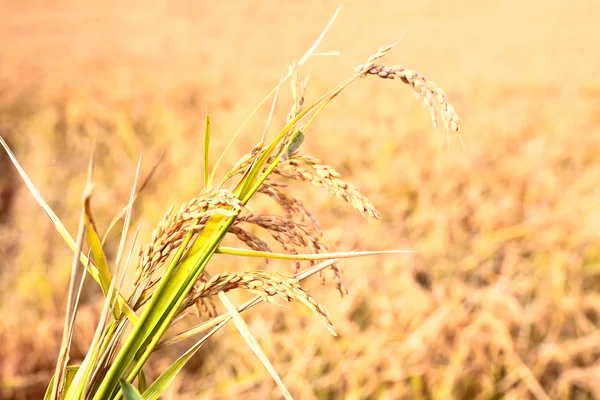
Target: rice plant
(172,271)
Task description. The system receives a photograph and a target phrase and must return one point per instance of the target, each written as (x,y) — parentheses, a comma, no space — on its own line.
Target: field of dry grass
(503,300)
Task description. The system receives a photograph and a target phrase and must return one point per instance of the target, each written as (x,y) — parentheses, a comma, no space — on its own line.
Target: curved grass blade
(61,229)
(164,380)
(70,372)
(96,248)
(102,335)
(142,382)
(130,392)
(253,343)
(72,299)
(110,337)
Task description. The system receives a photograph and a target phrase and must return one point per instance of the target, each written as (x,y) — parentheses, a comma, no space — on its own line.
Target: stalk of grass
(301,62)
(101,344)
(101,277)
(73,296)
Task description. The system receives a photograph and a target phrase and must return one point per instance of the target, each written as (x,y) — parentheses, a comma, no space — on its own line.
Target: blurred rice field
(503,298)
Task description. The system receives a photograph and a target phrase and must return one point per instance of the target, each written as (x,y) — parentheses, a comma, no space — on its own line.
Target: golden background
(503,298)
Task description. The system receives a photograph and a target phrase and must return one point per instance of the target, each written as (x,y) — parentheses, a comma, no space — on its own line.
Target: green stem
(163,307)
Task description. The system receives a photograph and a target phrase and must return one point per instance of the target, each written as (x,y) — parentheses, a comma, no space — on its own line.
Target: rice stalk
(170,232)
(293,208)
(328,178)
(265,284)
(428,92)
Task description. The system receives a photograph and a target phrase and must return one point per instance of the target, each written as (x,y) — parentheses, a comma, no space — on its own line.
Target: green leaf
(130,392)
(142,383)
(102,343)
(97,249)
(162,308)
(164,380)
(70,372)
(82,378)
(61,229)
(253,343)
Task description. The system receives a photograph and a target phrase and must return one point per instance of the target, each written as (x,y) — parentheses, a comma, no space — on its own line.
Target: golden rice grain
(428,92)
(328,178)
(265,284)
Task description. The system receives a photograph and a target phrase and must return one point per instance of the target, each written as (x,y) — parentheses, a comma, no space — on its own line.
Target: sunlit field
(501,299)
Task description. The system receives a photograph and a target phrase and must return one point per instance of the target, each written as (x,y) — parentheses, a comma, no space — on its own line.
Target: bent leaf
(130,392)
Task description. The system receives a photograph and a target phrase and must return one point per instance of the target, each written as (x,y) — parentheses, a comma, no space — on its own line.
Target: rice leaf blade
(313,256)
(70,372)
(163,305)
(130,392)
(61,229)
(253,343)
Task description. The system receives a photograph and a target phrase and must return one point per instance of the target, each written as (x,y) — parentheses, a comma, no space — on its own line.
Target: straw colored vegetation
(502,300)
